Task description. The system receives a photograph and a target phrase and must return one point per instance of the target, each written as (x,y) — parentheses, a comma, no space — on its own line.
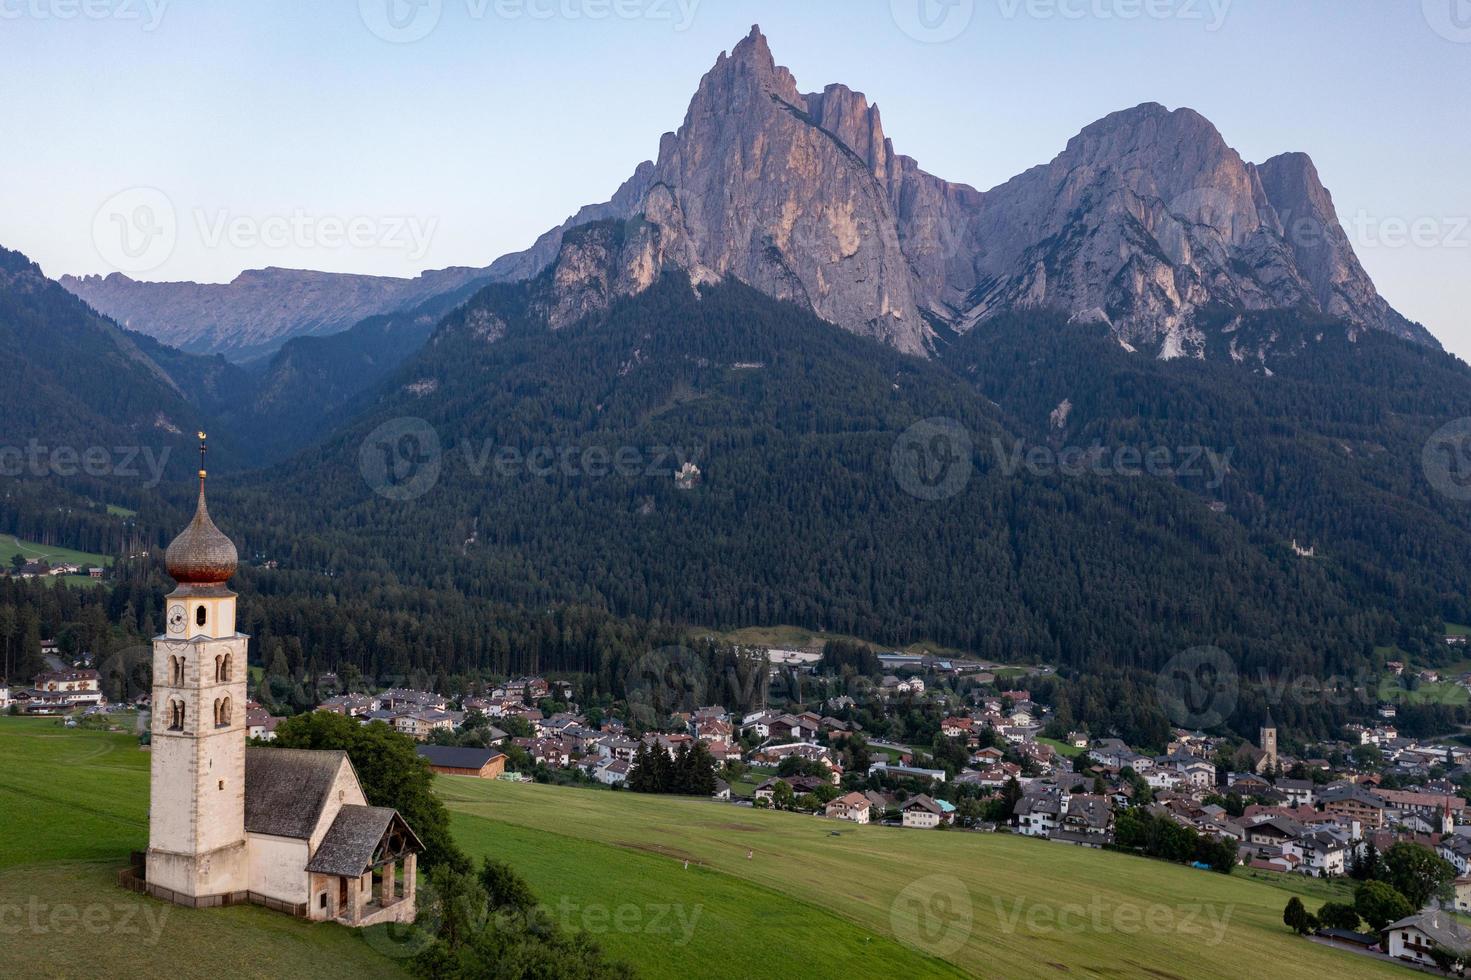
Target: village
(997,763)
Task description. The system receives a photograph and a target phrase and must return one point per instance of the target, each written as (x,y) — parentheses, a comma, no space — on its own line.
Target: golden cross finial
(203,448)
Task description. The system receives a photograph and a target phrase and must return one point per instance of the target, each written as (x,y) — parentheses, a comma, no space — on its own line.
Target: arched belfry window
(176,716)
(222,668)
(200,615)
(176,671)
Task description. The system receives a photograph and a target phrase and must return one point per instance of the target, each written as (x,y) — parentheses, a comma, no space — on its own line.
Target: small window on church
(199,616)
(222,784)
(324,899)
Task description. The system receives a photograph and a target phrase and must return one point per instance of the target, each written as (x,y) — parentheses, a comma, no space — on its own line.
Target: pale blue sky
(264,122)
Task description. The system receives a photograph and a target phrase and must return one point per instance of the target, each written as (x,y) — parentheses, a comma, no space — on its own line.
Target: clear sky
(390,136)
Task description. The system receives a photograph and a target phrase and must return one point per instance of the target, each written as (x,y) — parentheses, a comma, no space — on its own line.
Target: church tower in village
(1267,740)
(197,851)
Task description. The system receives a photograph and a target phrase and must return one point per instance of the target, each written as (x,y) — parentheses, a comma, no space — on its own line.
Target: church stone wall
(278,868)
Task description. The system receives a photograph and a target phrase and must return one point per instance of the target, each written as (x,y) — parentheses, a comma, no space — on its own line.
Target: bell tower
(1267,738)
(196,824)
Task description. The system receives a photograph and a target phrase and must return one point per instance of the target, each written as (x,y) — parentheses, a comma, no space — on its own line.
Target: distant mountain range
(1146,221)
(783,302)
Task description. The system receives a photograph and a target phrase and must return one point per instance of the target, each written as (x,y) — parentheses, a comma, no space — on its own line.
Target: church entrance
(341,896)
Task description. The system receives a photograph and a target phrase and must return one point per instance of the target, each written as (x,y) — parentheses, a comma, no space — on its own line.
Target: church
(286,828)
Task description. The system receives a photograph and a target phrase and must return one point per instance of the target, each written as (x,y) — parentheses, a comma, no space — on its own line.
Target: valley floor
(676,887)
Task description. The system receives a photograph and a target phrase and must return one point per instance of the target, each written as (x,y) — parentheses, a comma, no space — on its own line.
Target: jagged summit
(1145,220)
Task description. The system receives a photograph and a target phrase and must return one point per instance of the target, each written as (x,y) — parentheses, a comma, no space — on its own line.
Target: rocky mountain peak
(1145,218)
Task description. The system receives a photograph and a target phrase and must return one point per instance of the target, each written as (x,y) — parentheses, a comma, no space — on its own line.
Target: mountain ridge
(1147,220)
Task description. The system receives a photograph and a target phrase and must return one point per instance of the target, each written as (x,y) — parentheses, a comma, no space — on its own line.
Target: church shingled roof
(348,848)
(286,789)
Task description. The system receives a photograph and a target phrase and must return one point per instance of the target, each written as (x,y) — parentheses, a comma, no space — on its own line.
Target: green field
(1063,748)
(73,804)
(798,638)
(665,884)
(990,904)
(10,546)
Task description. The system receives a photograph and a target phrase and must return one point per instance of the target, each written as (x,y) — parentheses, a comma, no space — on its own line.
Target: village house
(1414,938)
(853,806)
(1354,803)
(1038,815)
(76,687)
(479,763)
(922,812)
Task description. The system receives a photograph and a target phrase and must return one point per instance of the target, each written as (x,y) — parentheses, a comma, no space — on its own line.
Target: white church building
(286,828)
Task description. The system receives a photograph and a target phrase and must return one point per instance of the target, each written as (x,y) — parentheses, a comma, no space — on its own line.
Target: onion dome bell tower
(196,819)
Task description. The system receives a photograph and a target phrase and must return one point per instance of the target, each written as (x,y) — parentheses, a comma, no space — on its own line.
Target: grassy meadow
(676,887)
(992,905)
(73,804)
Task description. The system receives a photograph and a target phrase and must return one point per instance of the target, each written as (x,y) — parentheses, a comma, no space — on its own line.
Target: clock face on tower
(176,619)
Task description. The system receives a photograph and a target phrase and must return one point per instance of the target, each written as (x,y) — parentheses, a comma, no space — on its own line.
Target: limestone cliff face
(1146,219)
(777,189)
(1324,256)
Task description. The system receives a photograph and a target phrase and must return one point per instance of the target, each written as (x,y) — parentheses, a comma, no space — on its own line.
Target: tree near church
(391,772)
(490,927)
